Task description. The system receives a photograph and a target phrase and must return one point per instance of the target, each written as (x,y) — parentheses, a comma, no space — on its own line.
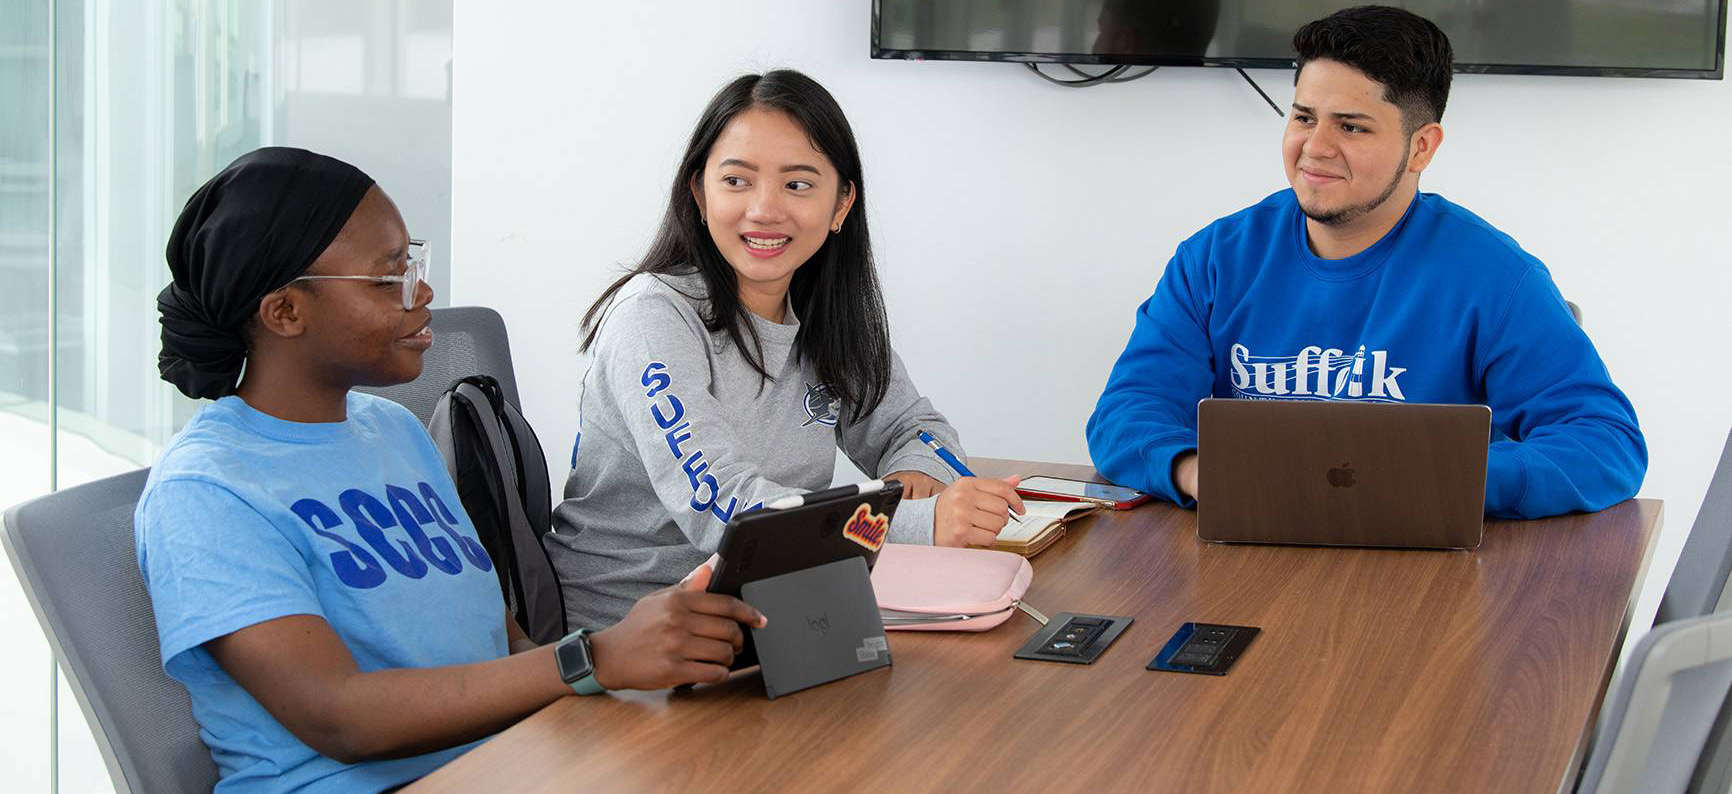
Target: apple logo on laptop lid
(1341,477)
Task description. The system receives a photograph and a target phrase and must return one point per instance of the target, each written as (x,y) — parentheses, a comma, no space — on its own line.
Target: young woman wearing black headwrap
(316,584)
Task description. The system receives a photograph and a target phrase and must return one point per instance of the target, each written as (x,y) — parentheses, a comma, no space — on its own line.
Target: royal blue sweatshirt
(1443,309)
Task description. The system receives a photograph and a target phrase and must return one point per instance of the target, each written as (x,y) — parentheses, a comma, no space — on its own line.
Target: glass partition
(113,113)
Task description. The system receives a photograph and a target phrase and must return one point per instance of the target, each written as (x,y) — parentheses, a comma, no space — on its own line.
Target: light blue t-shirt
(248,518)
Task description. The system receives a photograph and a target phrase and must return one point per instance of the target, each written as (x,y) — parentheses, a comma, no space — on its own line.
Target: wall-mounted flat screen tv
(1633,38)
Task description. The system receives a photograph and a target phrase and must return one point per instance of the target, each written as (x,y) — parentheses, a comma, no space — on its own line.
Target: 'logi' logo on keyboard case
(867,528)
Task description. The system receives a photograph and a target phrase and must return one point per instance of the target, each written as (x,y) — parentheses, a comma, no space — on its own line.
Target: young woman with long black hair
(747,345)
(317,585)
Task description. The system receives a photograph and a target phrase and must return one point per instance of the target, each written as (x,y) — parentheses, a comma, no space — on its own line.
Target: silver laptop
(1337,473)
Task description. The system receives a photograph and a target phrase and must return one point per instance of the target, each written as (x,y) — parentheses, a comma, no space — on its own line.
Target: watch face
(573,656)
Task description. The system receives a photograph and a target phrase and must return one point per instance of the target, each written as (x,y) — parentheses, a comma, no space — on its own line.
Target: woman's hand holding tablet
(676,635)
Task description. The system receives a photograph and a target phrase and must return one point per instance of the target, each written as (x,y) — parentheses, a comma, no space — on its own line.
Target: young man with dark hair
(1353,285)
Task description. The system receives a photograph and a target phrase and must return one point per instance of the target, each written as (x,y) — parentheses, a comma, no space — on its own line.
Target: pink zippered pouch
(938,588)
(960,589)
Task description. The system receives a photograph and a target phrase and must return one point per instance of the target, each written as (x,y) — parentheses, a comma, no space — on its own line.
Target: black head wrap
(248,232)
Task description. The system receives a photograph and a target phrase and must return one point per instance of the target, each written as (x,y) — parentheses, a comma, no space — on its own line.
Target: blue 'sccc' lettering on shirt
(356,567)
(668,412)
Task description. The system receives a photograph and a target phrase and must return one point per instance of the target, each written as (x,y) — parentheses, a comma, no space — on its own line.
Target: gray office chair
(1698,585)
(467,340)
(1656,721)
(75,555)
(1575,311)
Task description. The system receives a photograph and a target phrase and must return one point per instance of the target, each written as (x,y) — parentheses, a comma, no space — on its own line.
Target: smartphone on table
(1116,497)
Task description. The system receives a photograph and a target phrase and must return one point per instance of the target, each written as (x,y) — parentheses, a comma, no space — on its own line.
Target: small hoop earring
(837,229)
(703,220)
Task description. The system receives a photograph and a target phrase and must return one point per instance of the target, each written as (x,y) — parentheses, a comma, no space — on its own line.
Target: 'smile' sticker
(867,528)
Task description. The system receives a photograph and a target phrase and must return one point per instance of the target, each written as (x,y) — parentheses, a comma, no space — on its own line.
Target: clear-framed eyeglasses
(414,273)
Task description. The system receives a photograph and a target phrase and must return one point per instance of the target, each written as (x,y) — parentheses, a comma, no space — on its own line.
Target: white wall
(1019,224)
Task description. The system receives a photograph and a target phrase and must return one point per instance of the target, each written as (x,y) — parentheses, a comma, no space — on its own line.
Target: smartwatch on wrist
(577,663)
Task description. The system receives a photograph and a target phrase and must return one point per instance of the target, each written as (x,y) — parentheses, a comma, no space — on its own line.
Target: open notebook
(1041,526)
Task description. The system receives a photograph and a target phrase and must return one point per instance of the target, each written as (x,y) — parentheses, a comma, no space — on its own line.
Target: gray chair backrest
(75,554)
(467,340)
(1698,585)
(1657,718)
(1575,311)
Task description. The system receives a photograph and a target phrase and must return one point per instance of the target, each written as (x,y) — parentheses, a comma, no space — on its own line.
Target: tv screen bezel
(1718,72)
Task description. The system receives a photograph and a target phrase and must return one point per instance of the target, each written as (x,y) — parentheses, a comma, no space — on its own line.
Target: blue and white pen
(951,460)
(945,455)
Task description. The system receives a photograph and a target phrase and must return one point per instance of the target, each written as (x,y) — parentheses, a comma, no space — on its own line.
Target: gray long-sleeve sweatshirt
(677,433)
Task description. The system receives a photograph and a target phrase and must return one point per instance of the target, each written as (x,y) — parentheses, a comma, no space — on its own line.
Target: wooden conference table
(1377,671)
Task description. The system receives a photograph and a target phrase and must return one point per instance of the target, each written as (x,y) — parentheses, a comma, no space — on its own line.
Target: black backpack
(501,477)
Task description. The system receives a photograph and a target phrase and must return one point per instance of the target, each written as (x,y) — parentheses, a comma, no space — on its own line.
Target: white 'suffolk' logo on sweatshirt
(1317,373)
